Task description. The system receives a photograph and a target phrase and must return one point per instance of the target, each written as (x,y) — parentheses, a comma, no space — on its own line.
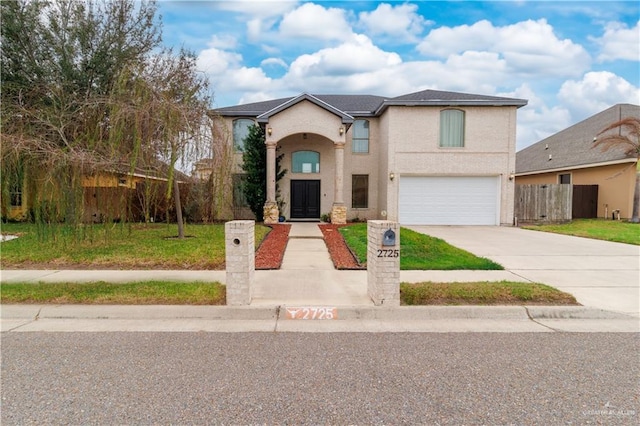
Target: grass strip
(103,293)
(482,293)
(214,293)
(419,251)
(608,230)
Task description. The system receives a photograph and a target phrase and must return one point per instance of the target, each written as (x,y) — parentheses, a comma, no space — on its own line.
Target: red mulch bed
(338,250)
(271,251)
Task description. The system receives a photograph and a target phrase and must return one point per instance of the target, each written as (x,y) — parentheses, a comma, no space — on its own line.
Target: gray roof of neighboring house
(573,146)
(370,105)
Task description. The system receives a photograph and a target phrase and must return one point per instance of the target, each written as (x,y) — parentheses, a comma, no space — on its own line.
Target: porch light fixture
(269,130)
(392,176)
(341,130)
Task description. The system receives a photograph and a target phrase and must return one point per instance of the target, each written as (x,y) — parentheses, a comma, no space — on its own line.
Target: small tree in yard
(254,160)
(630,141)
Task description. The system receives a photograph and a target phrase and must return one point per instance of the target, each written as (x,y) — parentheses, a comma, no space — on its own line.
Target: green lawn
(600,229)
(99,293)
(200,293)
(122,246)
(483,293)
(419,251)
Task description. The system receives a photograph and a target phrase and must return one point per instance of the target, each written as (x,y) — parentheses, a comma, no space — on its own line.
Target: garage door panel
(437,200)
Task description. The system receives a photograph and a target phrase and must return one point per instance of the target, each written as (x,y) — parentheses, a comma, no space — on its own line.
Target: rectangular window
(360,139)
(239,200)
(360,191)
(16,181)
(564,178)
(451,128)
(15,195)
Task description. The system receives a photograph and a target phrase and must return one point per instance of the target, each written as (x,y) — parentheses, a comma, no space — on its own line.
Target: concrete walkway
(307,276)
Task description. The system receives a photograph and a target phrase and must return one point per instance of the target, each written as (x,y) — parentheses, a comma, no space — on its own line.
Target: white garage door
(440,200)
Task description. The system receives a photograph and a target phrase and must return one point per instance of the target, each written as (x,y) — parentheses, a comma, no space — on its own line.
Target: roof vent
(549,157)
(546,146)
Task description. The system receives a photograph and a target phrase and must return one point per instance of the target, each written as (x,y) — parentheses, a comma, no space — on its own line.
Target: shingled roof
(573,146)
(371,105)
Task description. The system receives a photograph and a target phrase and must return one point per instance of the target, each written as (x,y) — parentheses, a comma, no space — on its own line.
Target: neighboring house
(429,157)
(568,157)
(106,195)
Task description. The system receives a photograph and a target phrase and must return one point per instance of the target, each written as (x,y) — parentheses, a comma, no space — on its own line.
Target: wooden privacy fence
(543,203)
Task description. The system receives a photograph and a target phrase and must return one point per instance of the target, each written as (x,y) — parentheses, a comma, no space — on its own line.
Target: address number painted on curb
(312,313)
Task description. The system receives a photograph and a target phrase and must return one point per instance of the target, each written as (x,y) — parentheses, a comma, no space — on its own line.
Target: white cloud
(316,22)
(400,21)
(216,62)
(257,8)
(619,42)
(529,47)
(596,92)
(251,97)
(536,120)
(274,62)
(355,56)
(225,42)
(247,79)
(445,41)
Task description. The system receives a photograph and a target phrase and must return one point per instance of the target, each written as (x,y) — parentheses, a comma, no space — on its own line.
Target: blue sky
(569,59)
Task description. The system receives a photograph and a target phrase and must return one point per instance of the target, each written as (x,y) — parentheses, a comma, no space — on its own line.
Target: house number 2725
(388,253)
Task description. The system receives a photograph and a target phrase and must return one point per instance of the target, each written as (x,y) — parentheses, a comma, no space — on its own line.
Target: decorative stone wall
(339,215)
(240,260)
(383,262)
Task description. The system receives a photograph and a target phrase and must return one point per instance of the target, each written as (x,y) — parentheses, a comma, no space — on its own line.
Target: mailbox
(389,238)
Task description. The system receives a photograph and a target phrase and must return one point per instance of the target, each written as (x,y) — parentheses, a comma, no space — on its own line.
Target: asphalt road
(304,378)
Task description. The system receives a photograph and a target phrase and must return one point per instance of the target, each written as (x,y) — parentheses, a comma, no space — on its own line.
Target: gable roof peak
(264,117)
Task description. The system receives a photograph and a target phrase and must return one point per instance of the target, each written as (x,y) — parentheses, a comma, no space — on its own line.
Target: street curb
(372,313)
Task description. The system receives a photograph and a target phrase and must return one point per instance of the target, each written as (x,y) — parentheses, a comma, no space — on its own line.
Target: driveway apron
(600,274)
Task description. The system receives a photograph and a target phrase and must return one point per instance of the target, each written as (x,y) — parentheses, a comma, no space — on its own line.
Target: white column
(338,198)
(271,172)
(339,210)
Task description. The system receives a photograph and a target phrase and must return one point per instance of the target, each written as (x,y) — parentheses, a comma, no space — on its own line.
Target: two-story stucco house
(430,157)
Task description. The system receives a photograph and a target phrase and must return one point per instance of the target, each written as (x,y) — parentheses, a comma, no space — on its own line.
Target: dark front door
(305,199)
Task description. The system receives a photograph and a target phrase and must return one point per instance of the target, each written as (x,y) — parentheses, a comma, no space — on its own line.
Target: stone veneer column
(339,210)
(270,210)
(383,262)
(240,260)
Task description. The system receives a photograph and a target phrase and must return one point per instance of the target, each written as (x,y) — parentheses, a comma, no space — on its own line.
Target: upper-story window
(564,178)
(360,139)
(240,132)
(305,162)
(451,128)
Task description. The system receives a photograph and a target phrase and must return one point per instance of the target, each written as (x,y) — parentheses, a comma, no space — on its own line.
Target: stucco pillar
(339,210)
(271,212)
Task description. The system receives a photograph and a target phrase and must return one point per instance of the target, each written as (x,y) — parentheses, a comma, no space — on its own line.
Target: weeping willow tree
(85,91)
(627,139)
(159,111)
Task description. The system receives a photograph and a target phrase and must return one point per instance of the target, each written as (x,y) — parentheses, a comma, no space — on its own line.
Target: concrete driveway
(599,274)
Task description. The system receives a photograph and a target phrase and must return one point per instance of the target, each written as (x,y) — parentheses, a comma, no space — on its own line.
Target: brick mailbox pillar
(383,262)
(240,260)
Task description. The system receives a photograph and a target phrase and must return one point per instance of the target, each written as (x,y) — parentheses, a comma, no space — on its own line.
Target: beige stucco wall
(489,150)
(616,184)
(404,140)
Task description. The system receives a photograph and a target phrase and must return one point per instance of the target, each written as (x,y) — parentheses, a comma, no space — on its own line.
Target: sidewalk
(307,278)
